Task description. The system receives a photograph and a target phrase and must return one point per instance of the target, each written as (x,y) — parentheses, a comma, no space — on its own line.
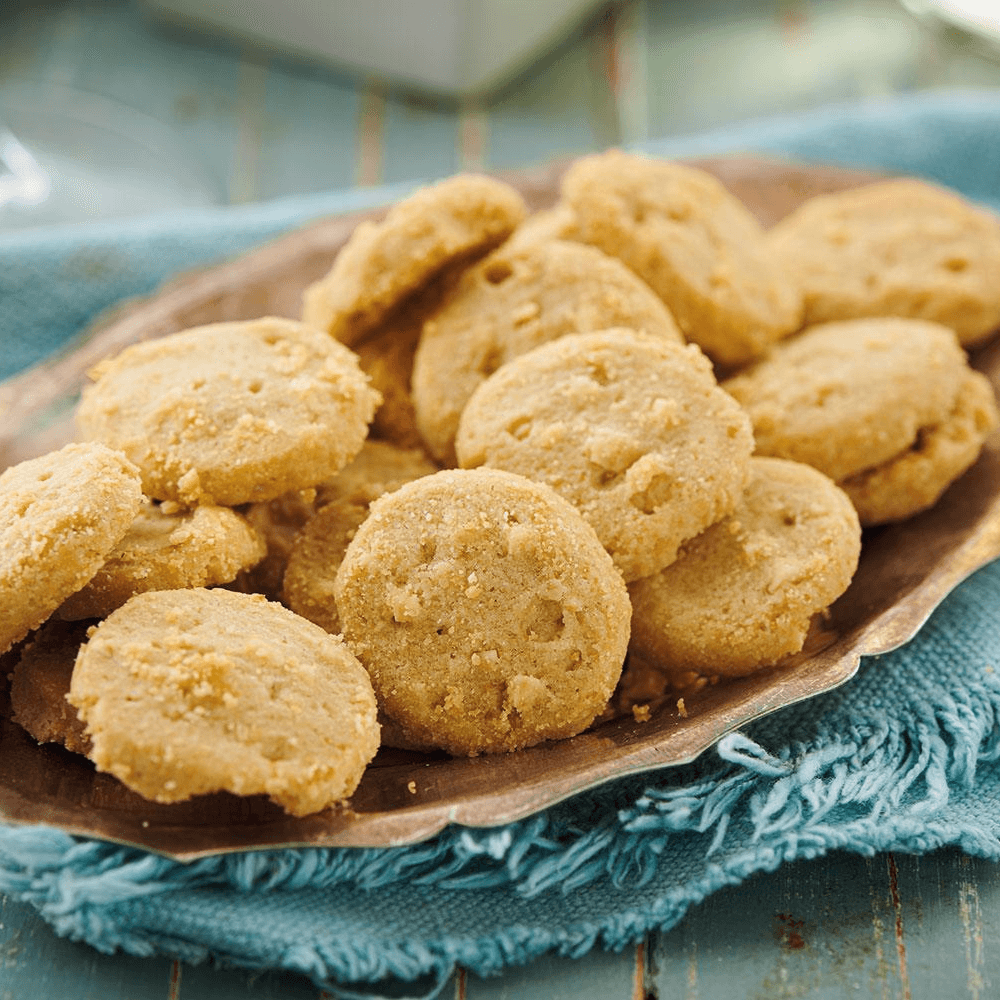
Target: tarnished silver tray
(905,571)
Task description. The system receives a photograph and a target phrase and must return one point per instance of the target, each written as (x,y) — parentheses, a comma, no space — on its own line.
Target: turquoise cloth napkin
(904,757)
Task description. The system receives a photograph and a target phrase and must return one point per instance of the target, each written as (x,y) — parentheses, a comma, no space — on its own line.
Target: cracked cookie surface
(60,516)
(185,692)
(511,302)
(845,397)
(485,610)
(695,244)
(634,431)
(897,248)
(231,413)
(743,593)
(384,262)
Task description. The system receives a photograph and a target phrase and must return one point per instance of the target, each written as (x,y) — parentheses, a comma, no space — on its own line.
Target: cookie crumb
(641,713)
(682,708)
(411,787)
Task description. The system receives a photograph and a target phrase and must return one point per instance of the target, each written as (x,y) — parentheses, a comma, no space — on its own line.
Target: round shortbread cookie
(232,412)
(915,480)
(382,263)
(277,521)
(694,243)
(378,468)
(386,356)
(556,223)
(60,516)
(632,430)
(742,594)
(168,551)
(40,682)
(318,549)
(844,397)
(185,692)
(486,611)
(315,557)
(512,302)
(896,248)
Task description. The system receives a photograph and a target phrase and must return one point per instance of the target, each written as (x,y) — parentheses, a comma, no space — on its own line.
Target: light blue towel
(904,757)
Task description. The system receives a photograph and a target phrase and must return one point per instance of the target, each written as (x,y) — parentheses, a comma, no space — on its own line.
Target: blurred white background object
(981,17)
(120,110)
(457,47)
(68,156)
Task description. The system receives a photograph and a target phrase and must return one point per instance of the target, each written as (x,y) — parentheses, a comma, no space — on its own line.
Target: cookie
(556,223)
(60,516)
(277,521)
(318,549)
(185,692)
(845,397)
(742,594)
(232,412)
(40,682)
(485,610)
(632,430)
(386,356)
(915,480)
(168,551)
(896,248)
(513,301)
(382,263)
(376,469)
(693,243)
(379,467)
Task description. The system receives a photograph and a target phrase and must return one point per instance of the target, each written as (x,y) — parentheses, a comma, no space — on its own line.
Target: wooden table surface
(256,127)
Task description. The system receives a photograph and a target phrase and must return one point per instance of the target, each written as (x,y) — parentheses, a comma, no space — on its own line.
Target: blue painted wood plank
(923,928)
(549,112)
(35,964)
(797,53)
(308,135)
(599,975)
(420,140)
(205,982)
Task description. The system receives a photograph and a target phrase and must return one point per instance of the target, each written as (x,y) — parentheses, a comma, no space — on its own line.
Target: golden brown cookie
(386,357)
(168,551)
(632,430)
(556,223)
(277,521)
(509,303)
(185,692)
(742,594)
(40,682)
(485,610)
(376,469)
(232,412)
(695,245)
(318,549)
(380,467)
(896,248)
(60,516)
(915,480)
(844,397)
(382,263)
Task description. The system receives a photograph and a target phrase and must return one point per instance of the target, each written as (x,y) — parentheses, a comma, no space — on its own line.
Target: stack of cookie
(492,459)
